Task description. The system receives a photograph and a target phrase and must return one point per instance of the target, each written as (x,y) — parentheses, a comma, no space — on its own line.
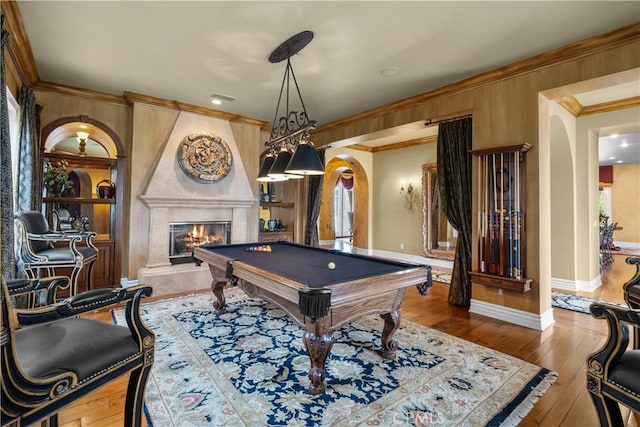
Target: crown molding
(81,93)
(599,43)
(395,146)
(19,48)
(133,97)
(618,104)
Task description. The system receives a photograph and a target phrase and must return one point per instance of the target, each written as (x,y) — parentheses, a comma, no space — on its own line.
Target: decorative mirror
(439,237)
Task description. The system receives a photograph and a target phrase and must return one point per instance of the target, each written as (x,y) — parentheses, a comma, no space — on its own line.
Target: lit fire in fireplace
(198,236)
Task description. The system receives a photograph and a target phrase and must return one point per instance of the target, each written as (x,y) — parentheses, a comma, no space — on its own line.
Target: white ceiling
(186,51)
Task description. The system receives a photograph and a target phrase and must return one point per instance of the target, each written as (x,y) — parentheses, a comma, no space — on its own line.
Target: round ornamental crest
(204,157)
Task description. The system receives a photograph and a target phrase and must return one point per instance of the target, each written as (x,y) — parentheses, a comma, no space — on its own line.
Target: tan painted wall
(393,224)
(505,113)
(625,202)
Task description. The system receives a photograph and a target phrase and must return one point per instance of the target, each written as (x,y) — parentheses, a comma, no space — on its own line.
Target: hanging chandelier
(290,152)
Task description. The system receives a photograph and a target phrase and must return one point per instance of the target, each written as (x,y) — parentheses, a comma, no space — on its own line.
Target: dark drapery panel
(29,198)
(6,189)
(313,206)
(454,176)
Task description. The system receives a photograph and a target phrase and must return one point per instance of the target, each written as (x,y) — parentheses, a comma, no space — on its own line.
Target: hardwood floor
(562,348)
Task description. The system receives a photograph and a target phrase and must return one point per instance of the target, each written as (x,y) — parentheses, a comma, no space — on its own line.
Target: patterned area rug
(575,302)
(248,367)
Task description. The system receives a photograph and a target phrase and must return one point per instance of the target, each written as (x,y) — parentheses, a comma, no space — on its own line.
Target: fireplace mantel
(201,202)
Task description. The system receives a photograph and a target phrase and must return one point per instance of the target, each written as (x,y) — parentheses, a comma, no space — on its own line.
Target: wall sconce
(82,142)
(409,194)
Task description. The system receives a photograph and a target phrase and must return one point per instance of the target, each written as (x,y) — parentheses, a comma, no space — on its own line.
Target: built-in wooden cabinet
(277,203)
(85,201)
(502,218)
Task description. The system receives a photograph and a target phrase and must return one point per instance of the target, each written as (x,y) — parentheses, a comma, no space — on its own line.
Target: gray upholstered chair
(613,372)
(61,219)
(81,354)
(36,249)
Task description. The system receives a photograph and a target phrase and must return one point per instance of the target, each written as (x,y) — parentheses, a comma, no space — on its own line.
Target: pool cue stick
(516,244)
(501,228)
(487,217)
(494,219)
(510,216)
(481,242)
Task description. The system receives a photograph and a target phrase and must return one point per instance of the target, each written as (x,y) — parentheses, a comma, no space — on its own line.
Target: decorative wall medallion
(204,157)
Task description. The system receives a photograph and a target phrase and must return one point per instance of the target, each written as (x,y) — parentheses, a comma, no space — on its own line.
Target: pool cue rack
(501,218)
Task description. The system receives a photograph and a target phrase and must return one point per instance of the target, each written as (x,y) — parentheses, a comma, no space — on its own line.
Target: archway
(333,169)
(106,161)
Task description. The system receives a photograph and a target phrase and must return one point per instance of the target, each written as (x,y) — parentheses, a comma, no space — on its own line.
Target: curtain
(7,252)
(29,198)
(313,206)
(454,177)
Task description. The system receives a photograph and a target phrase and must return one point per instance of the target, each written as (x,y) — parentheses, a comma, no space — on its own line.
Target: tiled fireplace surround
(171,196)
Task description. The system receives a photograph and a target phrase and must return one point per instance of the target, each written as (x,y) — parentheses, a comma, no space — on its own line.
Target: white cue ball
(331,266)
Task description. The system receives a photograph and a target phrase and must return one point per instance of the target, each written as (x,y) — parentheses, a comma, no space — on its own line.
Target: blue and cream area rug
(249,367)
(575,302)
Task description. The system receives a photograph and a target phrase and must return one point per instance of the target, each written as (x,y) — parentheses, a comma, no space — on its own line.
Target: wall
(393,224)
(625,199)
(505,112)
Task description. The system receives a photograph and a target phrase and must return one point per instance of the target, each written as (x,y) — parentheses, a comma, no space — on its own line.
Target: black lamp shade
(305,161)
(280,164)
(263,175)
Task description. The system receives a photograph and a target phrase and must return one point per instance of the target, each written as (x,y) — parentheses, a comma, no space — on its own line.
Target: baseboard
(576,285)
(539,322)
(634,245)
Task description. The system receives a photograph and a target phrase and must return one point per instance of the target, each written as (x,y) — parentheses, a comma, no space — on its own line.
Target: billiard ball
(331,266)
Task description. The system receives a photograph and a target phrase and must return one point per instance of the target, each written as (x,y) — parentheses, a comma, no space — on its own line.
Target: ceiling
(364,54)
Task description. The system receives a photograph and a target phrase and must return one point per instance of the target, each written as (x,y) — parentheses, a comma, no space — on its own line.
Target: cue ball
(331,266)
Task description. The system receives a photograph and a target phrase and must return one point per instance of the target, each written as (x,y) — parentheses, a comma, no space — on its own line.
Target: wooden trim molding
(571,104)
(567,53)
(19,48)
(132,97)
(82,93)
(618,104)
(403,144)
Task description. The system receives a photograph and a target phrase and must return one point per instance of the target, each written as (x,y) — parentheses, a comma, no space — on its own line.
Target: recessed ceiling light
(217,98)
(389,71)
(619,161)
(624,144)
(612,158)
(613,135)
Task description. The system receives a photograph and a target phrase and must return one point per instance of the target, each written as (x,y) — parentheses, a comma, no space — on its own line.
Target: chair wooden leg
(135,396)
(608,411)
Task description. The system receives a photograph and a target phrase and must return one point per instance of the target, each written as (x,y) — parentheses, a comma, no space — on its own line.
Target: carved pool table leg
(391,324)
(217,287)
(318,346)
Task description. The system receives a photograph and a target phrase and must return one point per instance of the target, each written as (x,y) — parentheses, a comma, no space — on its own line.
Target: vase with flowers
(56,178)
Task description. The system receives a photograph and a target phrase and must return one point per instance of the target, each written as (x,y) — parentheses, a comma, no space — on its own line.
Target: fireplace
(184,236)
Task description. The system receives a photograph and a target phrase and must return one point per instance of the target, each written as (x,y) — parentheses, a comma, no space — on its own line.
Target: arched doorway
(360,225)
(97,158)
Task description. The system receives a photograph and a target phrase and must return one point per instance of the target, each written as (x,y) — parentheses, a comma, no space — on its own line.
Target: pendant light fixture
(290,152)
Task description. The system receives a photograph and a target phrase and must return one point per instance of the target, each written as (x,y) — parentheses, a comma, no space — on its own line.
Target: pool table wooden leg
(217,287)
(318,346)
(391,324)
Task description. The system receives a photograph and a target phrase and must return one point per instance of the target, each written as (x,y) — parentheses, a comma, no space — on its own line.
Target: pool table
(299,280)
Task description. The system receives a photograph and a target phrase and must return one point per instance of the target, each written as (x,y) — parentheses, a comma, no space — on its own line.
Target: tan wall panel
(625,202)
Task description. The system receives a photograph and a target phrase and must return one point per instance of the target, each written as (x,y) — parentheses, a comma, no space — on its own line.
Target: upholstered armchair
(61,219)
(36,249)
(30,293)
(613,372)
(51,356)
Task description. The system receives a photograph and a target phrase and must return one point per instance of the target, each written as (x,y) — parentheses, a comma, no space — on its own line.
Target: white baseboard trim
(126,283)
(539,322)
(634,245)
(576,285)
